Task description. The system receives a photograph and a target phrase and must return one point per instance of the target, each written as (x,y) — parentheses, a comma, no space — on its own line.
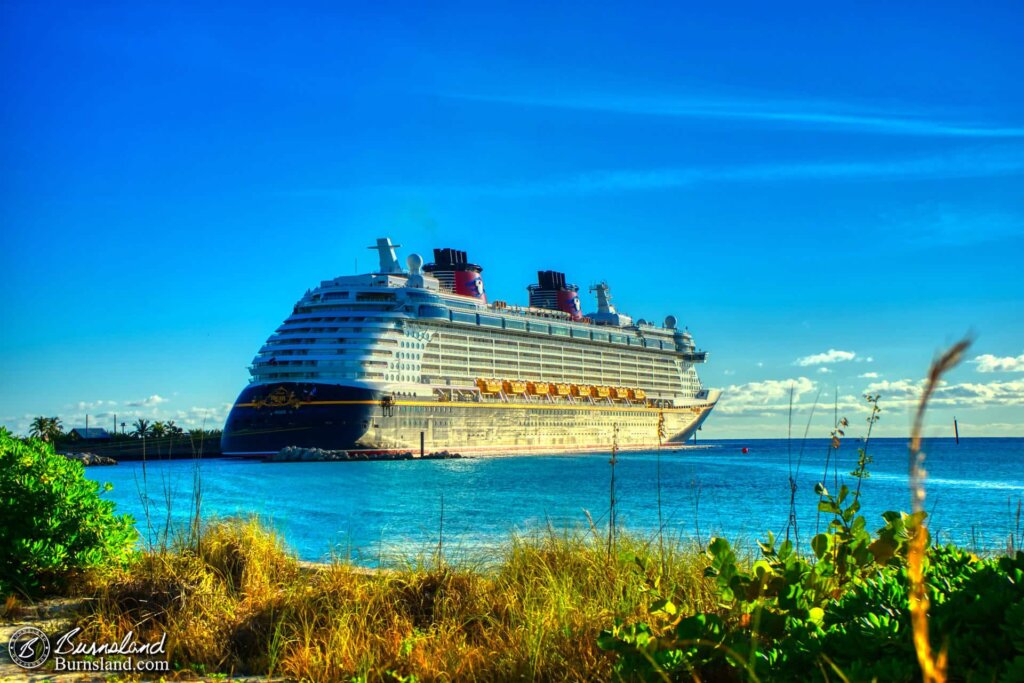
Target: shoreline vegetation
(154,439)
(851,603)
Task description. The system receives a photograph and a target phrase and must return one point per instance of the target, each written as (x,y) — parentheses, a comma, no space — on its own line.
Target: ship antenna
(386,251)
(604,297)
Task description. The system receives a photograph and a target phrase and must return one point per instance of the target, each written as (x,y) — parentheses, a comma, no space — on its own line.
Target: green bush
(977,613)
(841,612)
(53,520)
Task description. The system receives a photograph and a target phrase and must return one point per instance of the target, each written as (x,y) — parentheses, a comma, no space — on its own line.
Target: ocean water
(381,511)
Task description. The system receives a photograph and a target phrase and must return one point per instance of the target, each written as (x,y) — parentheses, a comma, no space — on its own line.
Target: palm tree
(173,428)
(158,430)
(142,428)
(49,429)
(37,430)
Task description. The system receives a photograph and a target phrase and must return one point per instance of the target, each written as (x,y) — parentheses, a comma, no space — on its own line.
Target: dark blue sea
(383,511)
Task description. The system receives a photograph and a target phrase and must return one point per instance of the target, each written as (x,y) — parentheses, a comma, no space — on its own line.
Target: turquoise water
(373,510)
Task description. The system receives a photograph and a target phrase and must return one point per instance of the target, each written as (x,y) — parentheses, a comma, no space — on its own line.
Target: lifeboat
(514,387)
(489,386)
(582,390)
(538,388)
(603,392)
(620,393)
(563,389)
(639,394)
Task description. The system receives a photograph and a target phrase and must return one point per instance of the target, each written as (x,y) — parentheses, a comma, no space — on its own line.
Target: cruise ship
(418,359)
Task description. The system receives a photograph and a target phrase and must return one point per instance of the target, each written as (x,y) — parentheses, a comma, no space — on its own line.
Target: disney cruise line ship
(418,360)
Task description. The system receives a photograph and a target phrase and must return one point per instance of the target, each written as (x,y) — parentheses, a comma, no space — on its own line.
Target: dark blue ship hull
(268,417)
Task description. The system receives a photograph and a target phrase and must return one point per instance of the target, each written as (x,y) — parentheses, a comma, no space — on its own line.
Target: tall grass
(933,665)
(242,603)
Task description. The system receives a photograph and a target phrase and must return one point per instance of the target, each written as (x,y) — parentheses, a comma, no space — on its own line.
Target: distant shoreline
(182,449)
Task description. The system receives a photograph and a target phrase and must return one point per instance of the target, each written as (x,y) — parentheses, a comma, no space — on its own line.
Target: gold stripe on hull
(501,406)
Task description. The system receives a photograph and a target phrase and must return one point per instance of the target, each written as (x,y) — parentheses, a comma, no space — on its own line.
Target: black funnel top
(550,279)
(450,260)
(449,257)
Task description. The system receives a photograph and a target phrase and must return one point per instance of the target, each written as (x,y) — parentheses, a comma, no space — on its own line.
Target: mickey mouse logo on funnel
(29,647)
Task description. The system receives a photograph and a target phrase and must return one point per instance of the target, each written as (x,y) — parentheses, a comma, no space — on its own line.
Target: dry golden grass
(933,665)
(242,604)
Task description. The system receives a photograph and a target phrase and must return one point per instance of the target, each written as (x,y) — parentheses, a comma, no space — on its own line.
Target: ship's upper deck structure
(425,329)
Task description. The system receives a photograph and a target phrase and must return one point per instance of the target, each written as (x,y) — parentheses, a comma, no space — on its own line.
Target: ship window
(490,320)
(560,331)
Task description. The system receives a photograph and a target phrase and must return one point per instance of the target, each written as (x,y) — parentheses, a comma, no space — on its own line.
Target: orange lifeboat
(563,389)
(582,390)
(603,392)
(514,387)
(639,394)
(489,386)
(620,393)
(538,388)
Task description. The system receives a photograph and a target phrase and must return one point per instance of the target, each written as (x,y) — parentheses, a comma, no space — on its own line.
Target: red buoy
(745,449)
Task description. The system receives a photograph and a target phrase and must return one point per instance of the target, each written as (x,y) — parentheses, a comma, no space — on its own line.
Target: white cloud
(759,397)
(992,393)
(830,356)
(760,364)
(989,363)
(895,389)
(952,395)
(148,402)
(868,375)
(823,370)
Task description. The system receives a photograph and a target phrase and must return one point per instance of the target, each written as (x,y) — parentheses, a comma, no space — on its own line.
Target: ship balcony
(695,356)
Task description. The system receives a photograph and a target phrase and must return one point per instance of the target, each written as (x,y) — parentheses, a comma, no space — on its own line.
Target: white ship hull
(502,428)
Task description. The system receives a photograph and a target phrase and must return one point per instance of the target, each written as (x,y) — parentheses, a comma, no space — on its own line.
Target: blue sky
(797,183)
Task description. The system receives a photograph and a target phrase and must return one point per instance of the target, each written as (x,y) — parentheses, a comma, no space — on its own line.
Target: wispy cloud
(92,406)
(972,163)
(154,407)
(830,356)
(946,225)
(148,402)
(805,113)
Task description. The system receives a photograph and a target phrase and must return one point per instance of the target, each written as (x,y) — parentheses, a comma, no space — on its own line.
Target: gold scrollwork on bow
(278,398)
